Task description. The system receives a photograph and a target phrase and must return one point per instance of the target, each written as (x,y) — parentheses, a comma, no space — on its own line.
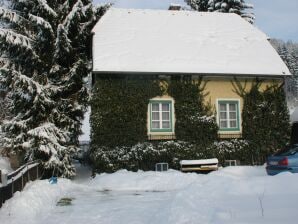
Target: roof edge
(190,73)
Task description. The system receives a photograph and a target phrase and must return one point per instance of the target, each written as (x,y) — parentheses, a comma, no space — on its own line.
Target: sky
(277,18)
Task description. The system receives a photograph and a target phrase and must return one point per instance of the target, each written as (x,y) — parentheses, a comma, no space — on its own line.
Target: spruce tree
(227,6)
(45,60)
(288,51)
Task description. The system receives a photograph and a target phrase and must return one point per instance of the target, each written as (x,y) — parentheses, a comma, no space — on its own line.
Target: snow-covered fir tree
(288,51)
(45,60)
(239,7)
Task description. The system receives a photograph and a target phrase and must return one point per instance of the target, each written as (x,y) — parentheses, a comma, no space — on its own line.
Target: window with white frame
(228,115)
(161,116)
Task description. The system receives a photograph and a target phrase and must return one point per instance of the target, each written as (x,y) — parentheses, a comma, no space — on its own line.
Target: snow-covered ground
(230,195)
(5,165)
(86,127)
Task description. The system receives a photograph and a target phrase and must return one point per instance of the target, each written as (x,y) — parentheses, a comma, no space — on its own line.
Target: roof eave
(192,73)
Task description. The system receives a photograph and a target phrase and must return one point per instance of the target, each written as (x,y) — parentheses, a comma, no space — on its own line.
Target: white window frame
(229,129)
(161,130)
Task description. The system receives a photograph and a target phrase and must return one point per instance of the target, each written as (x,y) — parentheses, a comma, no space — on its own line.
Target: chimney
(176,7)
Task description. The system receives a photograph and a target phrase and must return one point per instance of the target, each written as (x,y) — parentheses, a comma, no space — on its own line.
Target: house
(216,48)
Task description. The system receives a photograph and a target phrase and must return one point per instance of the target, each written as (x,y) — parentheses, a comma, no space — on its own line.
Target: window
(161,116)
(228,115)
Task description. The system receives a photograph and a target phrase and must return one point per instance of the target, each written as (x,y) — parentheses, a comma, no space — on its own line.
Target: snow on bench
(199,165)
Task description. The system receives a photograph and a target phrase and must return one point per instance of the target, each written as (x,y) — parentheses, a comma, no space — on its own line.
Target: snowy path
(111,207)
(231,195)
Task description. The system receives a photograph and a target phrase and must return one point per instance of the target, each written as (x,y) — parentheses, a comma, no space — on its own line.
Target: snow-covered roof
(163,41)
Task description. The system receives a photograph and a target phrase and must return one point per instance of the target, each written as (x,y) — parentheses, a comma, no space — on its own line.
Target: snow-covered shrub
(143,156)
(235,149)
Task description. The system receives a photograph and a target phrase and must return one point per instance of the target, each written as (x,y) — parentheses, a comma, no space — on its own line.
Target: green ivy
(194,120)
(119,110)
(265,120)
(119,122)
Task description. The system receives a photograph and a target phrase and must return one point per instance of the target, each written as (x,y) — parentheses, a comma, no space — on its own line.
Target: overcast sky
(277,18)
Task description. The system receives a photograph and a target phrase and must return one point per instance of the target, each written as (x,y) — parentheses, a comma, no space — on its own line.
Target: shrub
(144,156)
(235,149)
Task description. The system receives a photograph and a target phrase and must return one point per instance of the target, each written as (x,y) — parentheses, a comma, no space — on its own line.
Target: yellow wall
(217,88)
(222,88)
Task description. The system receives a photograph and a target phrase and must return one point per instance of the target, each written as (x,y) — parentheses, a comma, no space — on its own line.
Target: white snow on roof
(134,40)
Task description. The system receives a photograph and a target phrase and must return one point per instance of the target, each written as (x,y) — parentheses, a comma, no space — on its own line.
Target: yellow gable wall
(221,88)
(217,88)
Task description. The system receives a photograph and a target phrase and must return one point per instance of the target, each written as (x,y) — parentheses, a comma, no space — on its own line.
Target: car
(285,160)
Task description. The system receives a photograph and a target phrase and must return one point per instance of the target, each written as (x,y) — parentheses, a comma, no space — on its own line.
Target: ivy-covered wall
(265,119)
(119,123)
(119,110)
(195,121)
(119,119)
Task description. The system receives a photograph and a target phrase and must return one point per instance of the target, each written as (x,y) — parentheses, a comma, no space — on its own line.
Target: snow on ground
(86,127)
(5,165)
(293,114)
(230,195)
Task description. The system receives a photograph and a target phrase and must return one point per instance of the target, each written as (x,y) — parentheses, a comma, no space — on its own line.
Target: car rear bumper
(273,170)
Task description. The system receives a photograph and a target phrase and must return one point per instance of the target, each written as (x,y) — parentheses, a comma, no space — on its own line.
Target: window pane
(223,124)
(165,124)
(233,124)
(155,116)
(222,107)
(155,124)
(165,107)
(155,107)
(165,116)
(223,115)
(232,107)
(232,115)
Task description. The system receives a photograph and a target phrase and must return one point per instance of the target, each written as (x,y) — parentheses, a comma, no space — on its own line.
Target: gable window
(161,116)
(228,115)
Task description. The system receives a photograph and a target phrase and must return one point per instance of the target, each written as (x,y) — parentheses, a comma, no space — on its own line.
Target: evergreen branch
(10,16)
(50,132)
(41,22)
(5,62)
(63,46)
(26,84)
(15,39)
(76,11)
(47,8)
